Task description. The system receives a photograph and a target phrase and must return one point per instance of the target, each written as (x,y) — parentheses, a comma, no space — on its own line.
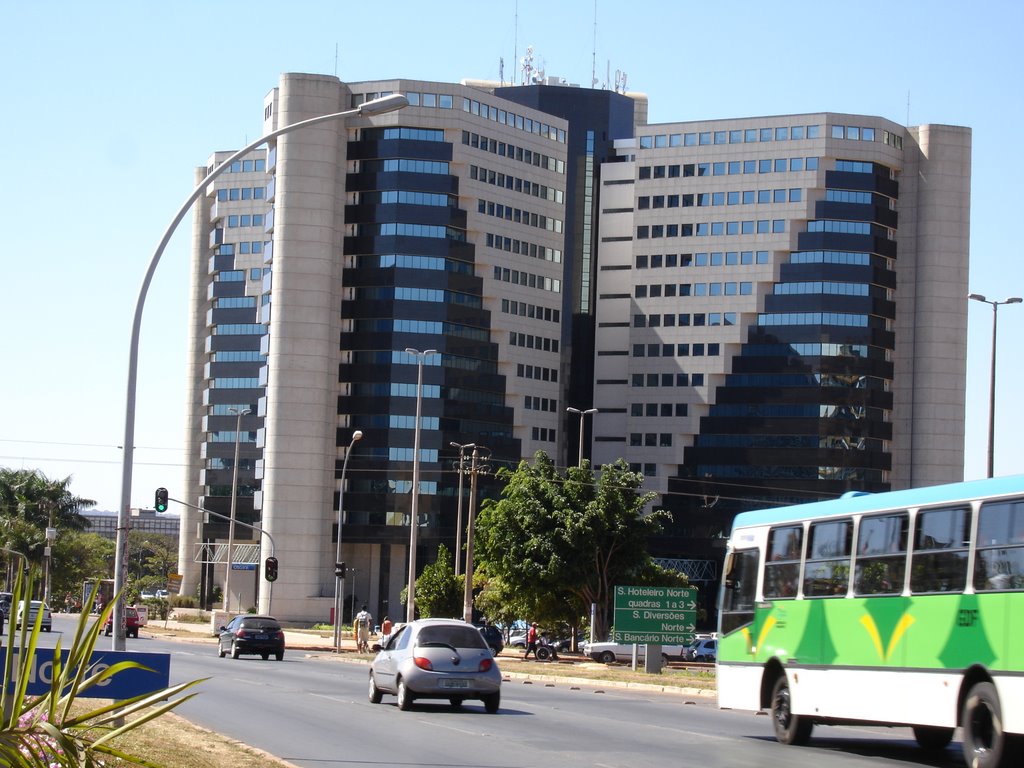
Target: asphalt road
(313,712)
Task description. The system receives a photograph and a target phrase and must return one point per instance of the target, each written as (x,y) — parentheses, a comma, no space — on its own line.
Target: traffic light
(270,569)
(161,500)
(339,570)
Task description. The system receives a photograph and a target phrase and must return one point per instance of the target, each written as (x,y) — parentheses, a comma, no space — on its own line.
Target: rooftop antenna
(335,59)
(515,43)
(593,52)
(908,108)
(528,65)
(501,69)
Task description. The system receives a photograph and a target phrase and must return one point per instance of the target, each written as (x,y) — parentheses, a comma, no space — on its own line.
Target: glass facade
(806,411)
(413,285)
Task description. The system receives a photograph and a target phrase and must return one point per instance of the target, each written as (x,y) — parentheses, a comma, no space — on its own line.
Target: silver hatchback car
(436,659)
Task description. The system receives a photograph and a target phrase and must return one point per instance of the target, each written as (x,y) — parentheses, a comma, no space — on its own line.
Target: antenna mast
(515,44)
(593,52)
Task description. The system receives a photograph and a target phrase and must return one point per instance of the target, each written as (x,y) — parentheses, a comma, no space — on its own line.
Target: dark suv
(251,635)
(493,638)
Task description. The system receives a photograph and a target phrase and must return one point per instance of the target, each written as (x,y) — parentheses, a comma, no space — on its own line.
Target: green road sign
(662,615)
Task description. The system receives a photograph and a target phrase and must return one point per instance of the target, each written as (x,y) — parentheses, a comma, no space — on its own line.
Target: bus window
(738,589)
(782,568)
(939,561)
(827,571)
(999,561)
(881,555)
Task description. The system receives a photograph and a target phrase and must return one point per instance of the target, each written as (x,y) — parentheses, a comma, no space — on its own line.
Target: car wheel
(455,702)
(374,694)
(664,660)
(404,696)
(221,653)
(607,657)
(932,738)
(265,656)
(491,702)
(47,629)
(789,728)
(985,744)
(234,650)
(279,655)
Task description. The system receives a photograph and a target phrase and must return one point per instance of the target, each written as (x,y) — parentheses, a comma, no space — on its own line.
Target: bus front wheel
(986,745)
(789,728)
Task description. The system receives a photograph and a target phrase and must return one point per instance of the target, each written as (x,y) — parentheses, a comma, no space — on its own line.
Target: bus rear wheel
(986,745)
(789,728)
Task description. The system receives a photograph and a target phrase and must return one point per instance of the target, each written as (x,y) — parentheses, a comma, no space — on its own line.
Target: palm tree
(30,502)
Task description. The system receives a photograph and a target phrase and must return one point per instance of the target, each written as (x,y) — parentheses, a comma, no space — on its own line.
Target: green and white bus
(902,608)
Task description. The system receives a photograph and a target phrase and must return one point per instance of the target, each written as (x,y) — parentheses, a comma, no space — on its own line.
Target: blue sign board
(123,685)
(243,566)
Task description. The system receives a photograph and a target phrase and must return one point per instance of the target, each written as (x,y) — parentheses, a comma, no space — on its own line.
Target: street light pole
(339,576)
(992,375)
(467,594)
(234,502)
(379,106)
(458,523)
(581,414)
(410,606)
(51,536)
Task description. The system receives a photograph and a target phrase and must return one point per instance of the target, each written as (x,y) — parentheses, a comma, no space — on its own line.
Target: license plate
(454,683)
(259,637)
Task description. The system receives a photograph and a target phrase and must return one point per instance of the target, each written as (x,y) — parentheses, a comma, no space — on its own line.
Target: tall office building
(540,238)
(781,313)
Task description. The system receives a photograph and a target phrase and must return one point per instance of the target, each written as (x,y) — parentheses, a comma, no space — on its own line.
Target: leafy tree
(439,592)
(30,502)
(152,557)
(563,542)
(78,557)
(499,603)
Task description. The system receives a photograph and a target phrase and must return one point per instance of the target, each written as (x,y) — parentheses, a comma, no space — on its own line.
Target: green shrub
(42,730)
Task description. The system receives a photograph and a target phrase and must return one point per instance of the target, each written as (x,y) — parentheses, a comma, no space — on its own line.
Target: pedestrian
(531,641)
(385,627)
(362,630)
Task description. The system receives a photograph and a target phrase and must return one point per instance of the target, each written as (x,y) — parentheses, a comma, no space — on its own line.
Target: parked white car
(608,652)
(517,639)
(35,606)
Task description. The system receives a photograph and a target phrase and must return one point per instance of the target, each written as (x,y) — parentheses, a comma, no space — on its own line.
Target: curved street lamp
(379,106)
(339,575)
(992,375)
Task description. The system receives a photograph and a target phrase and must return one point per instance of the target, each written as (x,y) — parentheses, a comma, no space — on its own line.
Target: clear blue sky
(110,107)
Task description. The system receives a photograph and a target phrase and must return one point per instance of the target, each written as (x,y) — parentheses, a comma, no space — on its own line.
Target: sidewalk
(295,639)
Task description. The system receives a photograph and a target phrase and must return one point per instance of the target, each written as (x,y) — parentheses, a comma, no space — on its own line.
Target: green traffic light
(161,500)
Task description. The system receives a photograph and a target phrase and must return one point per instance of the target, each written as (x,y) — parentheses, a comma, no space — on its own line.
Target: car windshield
(455,636)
